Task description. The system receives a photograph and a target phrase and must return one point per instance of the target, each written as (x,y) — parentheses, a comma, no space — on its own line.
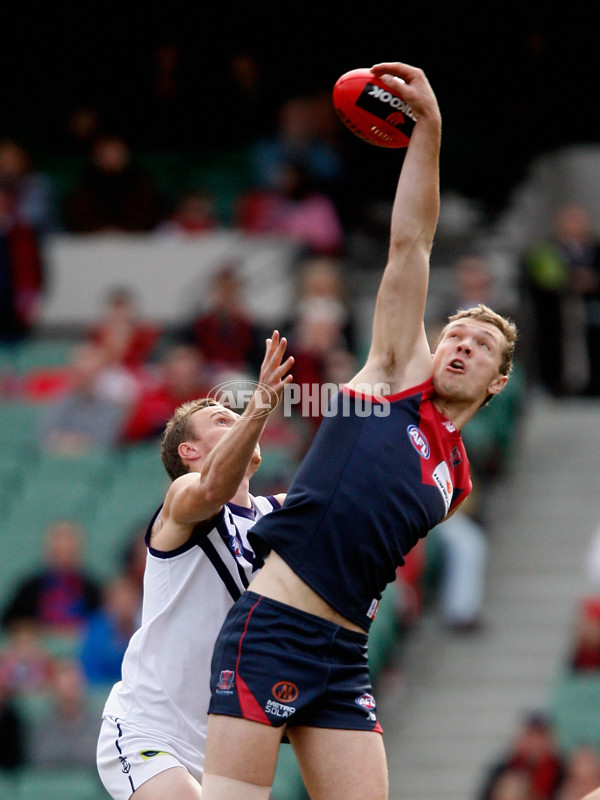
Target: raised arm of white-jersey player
(198,496)
(399,354)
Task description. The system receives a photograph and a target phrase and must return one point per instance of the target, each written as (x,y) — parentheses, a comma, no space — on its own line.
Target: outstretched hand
(411,84)
(273,378)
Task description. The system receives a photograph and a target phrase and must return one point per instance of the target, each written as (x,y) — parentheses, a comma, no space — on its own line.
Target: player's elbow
(216,493)
(410,241)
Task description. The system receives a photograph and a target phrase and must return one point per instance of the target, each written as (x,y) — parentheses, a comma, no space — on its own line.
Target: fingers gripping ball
(368,108)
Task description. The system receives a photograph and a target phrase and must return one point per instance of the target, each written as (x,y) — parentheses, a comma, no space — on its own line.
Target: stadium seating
(574,704)
(60,784)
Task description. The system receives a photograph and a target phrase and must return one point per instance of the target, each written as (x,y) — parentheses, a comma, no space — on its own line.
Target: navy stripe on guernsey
(230,570)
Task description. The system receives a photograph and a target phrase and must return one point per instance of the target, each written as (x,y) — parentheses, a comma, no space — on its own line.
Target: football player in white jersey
(151,745)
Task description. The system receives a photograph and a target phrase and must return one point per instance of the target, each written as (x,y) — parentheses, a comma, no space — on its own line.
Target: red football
(371,111)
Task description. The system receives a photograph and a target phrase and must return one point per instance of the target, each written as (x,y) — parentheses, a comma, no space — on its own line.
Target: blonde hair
(177,431)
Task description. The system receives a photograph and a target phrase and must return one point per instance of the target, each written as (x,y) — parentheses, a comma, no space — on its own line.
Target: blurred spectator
(248,92)
(322,278)
(301,137)
(89,412)
(120,328)
(109,630)
(462,584)
(294,208)
(562,281)
(82,128)
(226,332)
(30,192)
(533,751)
(181,376)
(194,215)
(112,194)
(473,282)
(21,272)
(26,665)
(582,773)
(165,119)
(410,584)
(513,784)
(317,344)
(66,734)
(585,645)
(60,595)
(12,733)
(134,557)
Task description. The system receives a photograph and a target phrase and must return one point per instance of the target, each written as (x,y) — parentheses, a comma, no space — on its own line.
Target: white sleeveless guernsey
(164,689)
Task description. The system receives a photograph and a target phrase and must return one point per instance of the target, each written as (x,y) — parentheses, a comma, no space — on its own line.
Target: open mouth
(456,365)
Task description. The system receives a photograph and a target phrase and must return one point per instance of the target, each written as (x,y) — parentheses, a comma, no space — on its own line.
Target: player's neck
(458,412)
(242,496)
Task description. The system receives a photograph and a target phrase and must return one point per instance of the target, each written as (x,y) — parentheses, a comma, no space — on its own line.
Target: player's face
(467,361)
(211,424)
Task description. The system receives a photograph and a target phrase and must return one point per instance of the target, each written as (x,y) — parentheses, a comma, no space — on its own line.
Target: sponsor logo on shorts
(226,682)
(367,701)
(147,754)
(279,709)
(441,476)
(285,691)
(418,441)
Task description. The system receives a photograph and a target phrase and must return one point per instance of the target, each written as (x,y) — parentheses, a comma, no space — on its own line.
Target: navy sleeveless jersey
(380,473)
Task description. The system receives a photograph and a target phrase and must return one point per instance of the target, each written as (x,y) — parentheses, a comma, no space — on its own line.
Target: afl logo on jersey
(418,440)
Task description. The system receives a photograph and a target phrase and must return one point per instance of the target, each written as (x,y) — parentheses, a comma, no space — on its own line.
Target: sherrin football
(374,113)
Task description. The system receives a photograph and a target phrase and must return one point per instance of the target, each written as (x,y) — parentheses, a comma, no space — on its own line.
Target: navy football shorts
(278,665)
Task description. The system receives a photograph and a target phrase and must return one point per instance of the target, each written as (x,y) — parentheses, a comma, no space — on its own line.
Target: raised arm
(198,496)
(399,355)
(227,464)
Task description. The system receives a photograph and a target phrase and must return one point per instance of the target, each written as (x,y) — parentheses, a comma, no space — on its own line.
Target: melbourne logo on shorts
(226,681)
(418,440)
(285,691)
(441,476)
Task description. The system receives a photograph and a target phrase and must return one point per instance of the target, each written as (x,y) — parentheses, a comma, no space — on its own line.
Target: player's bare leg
(172,784)
(355,766)
(241,757)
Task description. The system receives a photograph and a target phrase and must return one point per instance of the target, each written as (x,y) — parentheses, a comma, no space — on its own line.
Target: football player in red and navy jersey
(386,465)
